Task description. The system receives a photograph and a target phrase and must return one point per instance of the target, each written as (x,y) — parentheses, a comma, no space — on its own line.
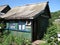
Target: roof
(25,12)
(2,7)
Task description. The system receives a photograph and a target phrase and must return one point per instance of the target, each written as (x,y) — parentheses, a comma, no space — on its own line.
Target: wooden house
(32,19)
(3,10)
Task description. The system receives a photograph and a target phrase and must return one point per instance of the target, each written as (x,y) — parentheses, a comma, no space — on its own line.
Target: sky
(53,4)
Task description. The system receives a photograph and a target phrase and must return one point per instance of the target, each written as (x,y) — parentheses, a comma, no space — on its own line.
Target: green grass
(16,38)
(21,34)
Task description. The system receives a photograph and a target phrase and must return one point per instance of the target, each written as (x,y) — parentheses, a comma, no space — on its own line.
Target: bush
(51,35)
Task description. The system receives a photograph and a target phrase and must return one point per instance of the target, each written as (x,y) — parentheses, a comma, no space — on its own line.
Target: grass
(21,34)
(16,38)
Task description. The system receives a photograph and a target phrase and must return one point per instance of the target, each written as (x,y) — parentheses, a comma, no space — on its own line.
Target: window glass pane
(16,26)
(23,27)
(28,27)
(20,27)
(12,26)
(7,25)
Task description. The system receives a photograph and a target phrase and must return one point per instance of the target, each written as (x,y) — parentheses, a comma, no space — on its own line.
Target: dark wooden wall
(42,27)
(34,29)
(39,26)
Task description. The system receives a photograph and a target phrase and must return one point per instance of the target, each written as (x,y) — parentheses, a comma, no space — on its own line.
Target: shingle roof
(25,12)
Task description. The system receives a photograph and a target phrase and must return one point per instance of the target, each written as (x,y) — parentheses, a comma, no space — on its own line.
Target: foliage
(44,44)
(55,15)
(51,34)
(14,40)
(2,25)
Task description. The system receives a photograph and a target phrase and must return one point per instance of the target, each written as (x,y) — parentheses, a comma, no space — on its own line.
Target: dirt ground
(37,42)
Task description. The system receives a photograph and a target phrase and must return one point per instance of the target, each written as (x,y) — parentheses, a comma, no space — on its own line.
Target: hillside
(55,15)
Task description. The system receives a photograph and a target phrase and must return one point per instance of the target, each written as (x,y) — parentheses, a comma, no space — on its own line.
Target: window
(22,25)
(28,25)
(19,26)
(13,26)
(7,25)
(28,22)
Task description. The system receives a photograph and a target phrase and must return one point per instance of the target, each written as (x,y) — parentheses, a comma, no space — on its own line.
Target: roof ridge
(32,4)
(3,5)
(36,3)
